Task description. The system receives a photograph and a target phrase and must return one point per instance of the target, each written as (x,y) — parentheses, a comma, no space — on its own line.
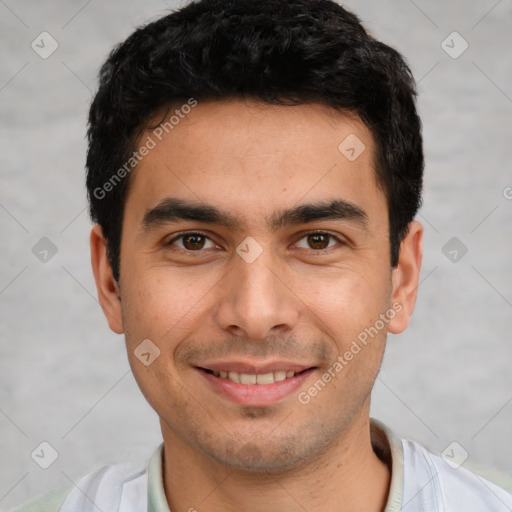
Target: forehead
(247,156)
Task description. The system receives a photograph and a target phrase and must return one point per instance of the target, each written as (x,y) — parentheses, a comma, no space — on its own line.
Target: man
(254,170)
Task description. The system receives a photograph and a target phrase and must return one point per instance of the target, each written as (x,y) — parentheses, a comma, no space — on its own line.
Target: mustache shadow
(277,347)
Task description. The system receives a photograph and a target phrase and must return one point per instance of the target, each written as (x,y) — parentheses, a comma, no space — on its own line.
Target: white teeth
(247,378)
(280,375)
(265,378)
(234,376)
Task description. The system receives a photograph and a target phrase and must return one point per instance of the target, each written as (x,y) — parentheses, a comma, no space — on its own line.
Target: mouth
(255,388)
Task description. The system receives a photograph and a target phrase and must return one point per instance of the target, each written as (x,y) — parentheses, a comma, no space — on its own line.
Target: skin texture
(296,302)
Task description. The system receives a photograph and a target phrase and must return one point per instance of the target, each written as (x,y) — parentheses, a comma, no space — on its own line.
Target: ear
(108,290)
(405,277)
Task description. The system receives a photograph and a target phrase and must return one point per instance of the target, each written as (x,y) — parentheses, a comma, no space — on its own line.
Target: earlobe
(405,277)
(106,286)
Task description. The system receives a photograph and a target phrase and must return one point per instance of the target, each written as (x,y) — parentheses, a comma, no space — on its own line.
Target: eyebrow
(171,210)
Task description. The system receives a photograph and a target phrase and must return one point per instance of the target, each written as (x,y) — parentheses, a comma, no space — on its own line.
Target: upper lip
(254,368)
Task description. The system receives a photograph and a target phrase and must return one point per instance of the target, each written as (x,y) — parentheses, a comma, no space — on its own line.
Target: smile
(254,389)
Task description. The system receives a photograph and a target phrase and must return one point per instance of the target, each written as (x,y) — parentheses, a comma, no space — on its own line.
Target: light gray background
(64,376)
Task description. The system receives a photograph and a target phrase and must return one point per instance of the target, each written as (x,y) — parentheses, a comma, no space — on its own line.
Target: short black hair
(280,52)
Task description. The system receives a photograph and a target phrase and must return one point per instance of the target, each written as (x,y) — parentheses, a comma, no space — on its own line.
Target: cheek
(155,314)
(346,303)
(350,312)
(157,303)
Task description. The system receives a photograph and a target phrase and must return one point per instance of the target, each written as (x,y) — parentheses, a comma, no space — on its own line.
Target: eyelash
(188,233)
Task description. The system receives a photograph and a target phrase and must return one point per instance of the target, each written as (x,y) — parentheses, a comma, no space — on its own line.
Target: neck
(347,477)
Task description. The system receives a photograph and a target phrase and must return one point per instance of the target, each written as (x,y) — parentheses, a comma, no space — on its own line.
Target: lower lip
(256,394)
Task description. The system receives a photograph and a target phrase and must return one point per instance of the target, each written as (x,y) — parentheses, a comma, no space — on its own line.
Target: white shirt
(420,482)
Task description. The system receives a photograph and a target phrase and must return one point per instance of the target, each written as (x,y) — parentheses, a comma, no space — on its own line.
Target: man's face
(263,295)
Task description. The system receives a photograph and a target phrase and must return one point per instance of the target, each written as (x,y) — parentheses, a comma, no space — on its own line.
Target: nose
(257,301)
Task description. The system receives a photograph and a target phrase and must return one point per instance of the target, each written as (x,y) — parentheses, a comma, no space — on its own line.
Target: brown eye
(318,241)
(192,241)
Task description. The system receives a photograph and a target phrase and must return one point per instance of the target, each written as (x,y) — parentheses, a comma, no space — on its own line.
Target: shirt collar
(388,447)
(157,502)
